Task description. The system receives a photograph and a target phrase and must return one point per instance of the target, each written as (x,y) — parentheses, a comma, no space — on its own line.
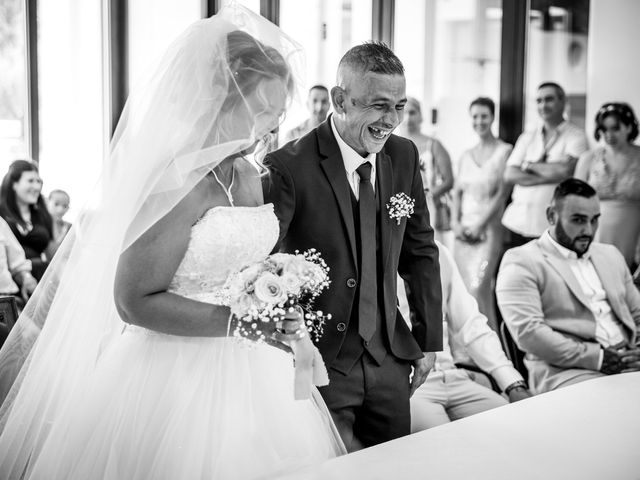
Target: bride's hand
(291,330)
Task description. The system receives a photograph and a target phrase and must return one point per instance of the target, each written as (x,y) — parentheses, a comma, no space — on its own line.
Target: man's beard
(571,243)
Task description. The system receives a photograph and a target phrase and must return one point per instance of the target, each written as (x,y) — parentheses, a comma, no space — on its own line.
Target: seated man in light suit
(570,304)
(450,393)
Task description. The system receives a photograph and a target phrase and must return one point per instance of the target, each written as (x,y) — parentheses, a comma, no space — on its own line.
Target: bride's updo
(260,84)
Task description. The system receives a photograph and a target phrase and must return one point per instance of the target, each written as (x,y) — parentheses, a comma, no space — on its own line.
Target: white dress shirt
(467,336)
(352,160)
(608,329)
(525,215)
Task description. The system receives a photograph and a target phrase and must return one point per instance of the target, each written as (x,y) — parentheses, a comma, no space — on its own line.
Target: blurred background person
(15,270)
(318,106)
(541,158)
(435,166)
(23,207)
(613,169)
(58,204)
(478,203)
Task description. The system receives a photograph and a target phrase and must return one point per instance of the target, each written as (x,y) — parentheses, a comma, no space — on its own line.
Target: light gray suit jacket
(548,314)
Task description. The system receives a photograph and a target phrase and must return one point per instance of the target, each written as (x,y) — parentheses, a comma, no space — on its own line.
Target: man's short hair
(572,186)
(558,88)
(318,87)
(375,57)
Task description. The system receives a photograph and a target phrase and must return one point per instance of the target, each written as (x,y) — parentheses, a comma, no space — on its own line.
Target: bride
(121,366)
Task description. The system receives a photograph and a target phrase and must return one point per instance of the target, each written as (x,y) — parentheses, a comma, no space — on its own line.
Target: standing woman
(479,198)
(25,210)
(435,168)
(614,171)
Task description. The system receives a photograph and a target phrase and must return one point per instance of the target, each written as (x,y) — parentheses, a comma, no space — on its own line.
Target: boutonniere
(400,206)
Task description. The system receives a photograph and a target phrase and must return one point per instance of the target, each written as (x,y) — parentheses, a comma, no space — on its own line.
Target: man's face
(550,105)
(318,104)
(369,109)
(574,222)
(412,116)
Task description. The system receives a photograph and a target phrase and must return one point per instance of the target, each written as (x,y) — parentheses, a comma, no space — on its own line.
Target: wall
(613,70)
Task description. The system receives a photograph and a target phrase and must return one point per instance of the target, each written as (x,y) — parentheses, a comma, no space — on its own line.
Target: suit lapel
(384,182)
(560,265)
(608,280)
(333,168)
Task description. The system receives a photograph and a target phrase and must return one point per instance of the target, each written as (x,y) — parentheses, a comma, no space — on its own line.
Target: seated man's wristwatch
(514,385)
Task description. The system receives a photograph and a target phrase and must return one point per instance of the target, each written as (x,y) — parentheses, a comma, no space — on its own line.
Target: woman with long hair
(23,207)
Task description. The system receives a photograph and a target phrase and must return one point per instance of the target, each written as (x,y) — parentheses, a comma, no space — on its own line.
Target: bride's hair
(250,63)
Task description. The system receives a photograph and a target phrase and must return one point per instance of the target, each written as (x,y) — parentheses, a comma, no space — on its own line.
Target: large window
(557,52)
(326,29)
(13,83)
(451,52)
(70,86)
(152,26)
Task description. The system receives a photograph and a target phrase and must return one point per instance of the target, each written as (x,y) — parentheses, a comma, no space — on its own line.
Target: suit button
(351,283)
(366,343)
(341,327)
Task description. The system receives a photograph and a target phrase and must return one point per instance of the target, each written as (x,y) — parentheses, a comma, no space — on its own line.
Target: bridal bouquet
(267,290)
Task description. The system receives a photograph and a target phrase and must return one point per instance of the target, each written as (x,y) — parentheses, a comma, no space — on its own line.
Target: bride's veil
(209,97)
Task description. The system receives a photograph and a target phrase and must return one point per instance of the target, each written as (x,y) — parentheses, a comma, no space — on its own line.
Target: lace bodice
(612,186)
(222,241)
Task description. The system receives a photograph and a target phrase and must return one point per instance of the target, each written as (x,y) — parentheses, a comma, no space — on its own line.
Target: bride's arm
(146,268)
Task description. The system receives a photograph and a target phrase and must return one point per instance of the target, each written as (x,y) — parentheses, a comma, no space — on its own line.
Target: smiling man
(570,303)
(331,190)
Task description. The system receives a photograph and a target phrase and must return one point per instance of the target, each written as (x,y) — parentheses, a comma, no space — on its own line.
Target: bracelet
(514,385)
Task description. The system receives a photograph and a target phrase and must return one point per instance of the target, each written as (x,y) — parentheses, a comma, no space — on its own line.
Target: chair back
(8,316)
(513,352)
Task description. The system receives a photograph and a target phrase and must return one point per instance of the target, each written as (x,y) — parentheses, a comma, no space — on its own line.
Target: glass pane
(13,83)
(557,52)
(451,52)
(70,84)
(250,4)
(329,29)
(153,25)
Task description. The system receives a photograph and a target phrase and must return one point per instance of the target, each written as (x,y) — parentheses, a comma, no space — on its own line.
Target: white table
(586,431)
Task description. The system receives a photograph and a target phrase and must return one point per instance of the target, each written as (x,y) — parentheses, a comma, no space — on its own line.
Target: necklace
(227,191)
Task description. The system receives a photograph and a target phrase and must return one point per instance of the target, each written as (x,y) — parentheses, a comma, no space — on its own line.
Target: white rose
(249,275)
(291,283)
(269,289)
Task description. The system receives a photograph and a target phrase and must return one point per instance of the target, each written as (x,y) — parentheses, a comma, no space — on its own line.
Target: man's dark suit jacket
(308,186)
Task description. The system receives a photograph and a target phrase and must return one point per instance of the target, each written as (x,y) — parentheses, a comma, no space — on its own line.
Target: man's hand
(421,369)
(518,393)
(620,361)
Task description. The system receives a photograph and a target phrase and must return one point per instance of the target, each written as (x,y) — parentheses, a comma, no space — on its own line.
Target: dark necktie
(368,299)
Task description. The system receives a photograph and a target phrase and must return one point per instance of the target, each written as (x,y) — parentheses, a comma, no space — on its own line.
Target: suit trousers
(370,404)
(450,395)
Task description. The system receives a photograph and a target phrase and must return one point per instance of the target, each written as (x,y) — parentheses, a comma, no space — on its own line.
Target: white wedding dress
(170,407)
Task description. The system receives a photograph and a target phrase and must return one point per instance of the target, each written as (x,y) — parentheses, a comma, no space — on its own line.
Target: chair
(513,352)
(8,316)
(480,376)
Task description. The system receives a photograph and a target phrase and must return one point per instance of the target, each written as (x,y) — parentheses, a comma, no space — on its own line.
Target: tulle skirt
(168,407)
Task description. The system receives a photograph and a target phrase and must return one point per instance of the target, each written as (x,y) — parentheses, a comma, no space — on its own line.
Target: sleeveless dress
(171,407)
(619,204)
(478,262)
